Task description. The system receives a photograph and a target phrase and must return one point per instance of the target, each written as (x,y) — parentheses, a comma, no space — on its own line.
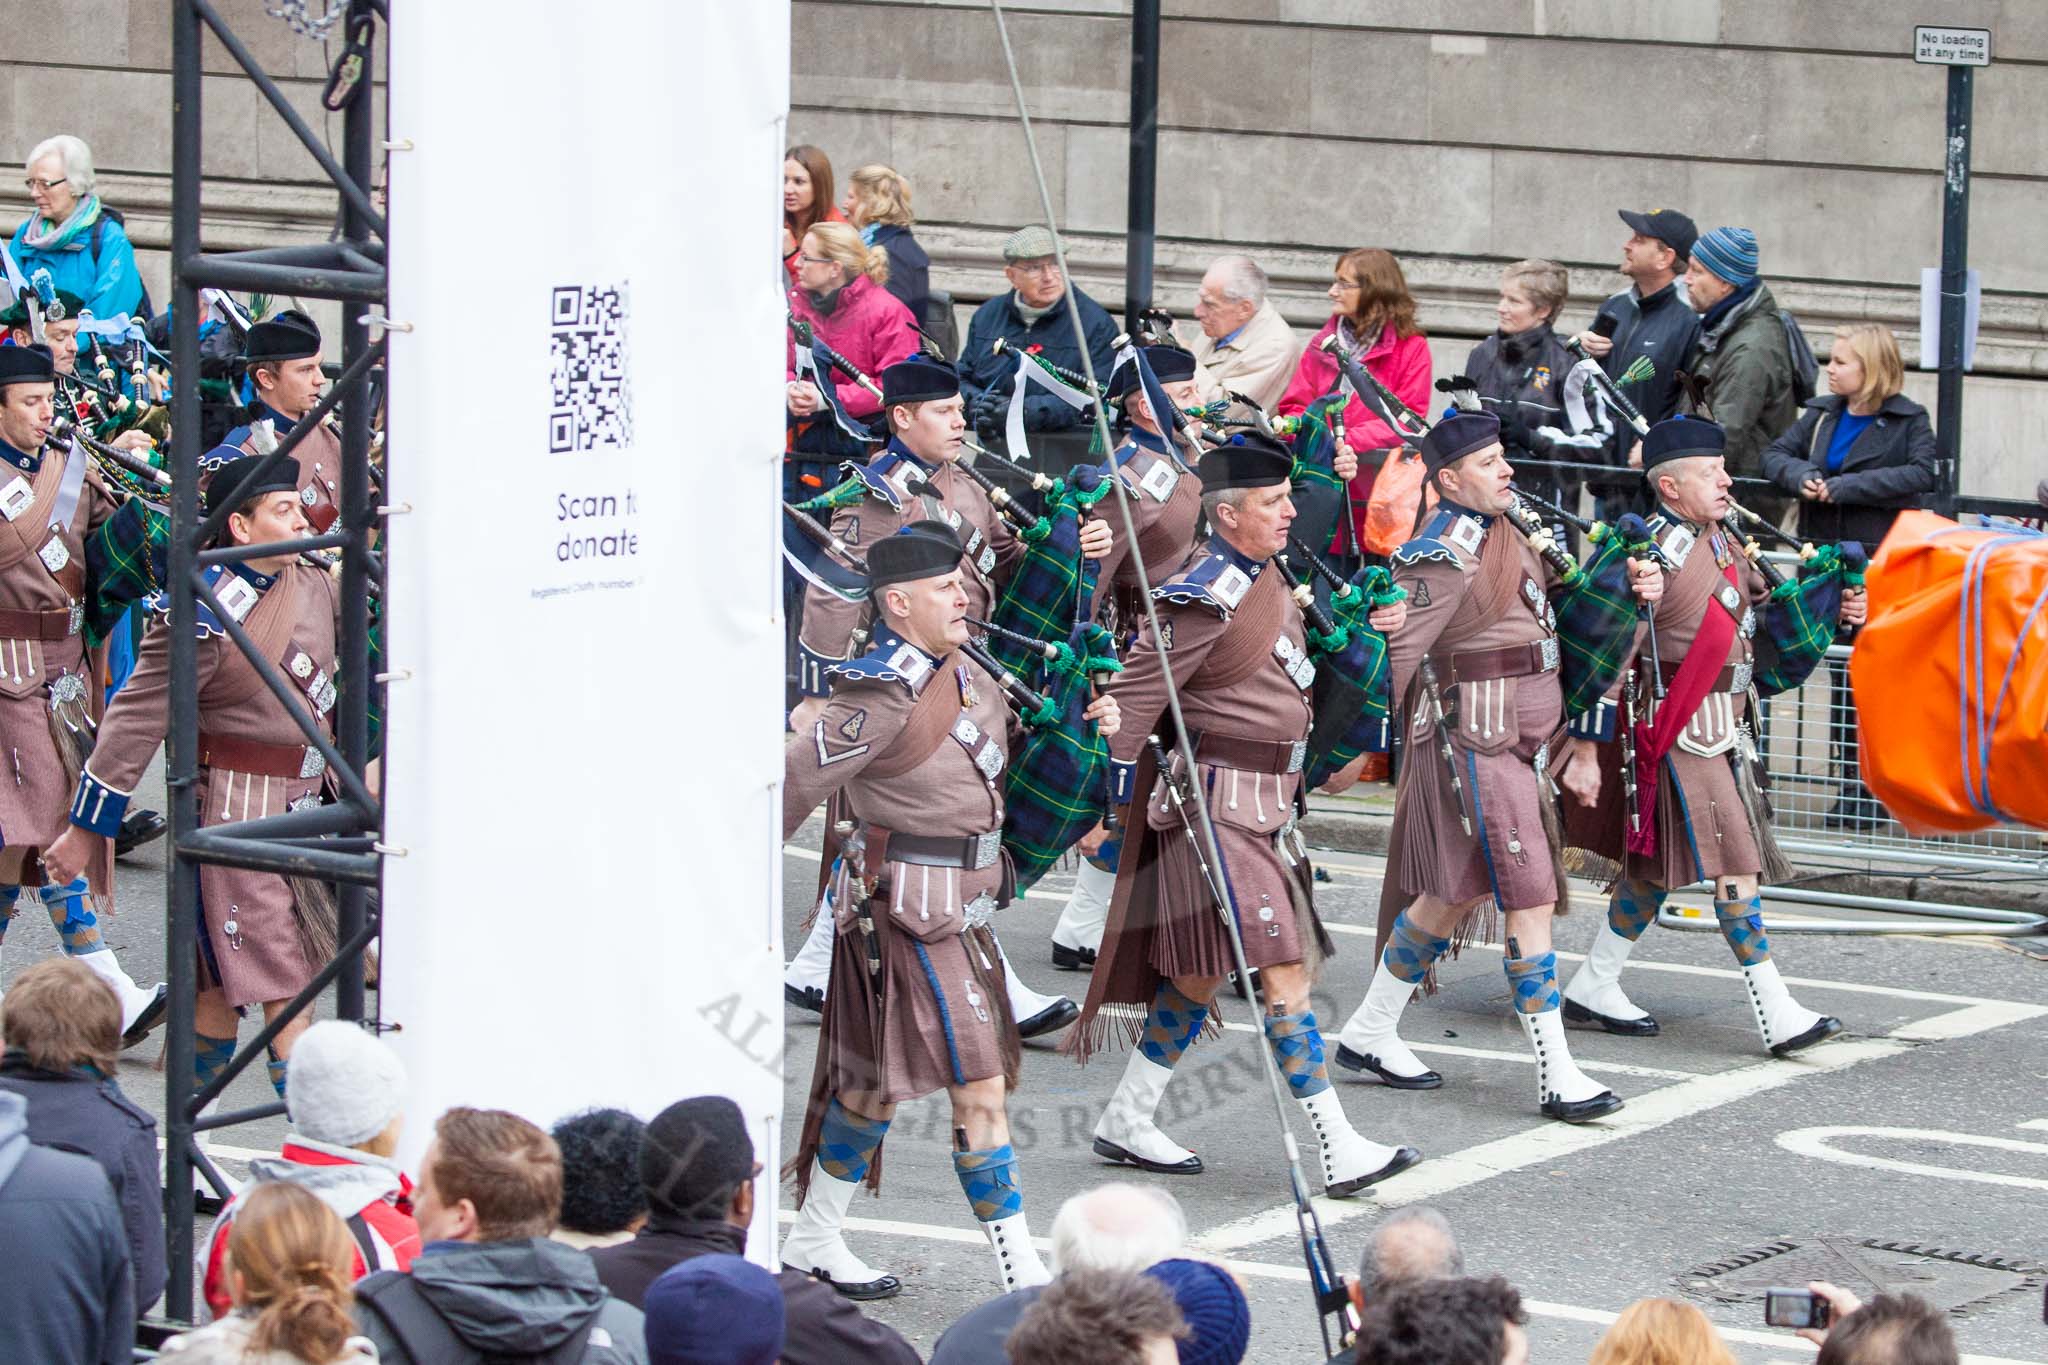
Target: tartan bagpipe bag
(1320,497)
(1796,623)
(1050,589)
(1350,695)
(1596,625)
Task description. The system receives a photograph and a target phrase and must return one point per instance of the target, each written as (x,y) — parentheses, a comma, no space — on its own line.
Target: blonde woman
(290,1260)
(878,203)
(1661,1332)
(1859,455)
(839,293)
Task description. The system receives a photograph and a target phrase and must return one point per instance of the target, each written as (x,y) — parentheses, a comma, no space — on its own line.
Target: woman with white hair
(79,240)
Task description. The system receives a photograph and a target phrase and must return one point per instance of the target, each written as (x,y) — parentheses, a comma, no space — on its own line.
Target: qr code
(590,368)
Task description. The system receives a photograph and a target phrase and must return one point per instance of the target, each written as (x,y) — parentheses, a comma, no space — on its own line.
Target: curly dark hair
(601,1189)
(1440,1322)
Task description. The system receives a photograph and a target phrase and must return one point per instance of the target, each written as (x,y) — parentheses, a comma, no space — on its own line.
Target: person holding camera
(1892,1329)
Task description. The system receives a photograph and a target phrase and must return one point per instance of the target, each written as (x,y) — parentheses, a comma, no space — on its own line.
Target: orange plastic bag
(1396,493)
(1951,676)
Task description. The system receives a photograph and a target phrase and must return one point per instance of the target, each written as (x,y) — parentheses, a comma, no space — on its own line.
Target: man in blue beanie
(714,1310)
(1742,359)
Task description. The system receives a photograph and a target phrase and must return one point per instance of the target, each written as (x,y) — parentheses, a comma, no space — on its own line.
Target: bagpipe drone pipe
(1351,694)
(1798,619)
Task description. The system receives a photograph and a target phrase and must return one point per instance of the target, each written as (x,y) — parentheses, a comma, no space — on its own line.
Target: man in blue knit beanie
(1742,360)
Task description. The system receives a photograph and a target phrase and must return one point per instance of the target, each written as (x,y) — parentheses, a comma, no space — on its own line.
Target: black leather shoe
(1827,1028)
(1582,1111)
(1575,1013)
(1106,1148)
(1072,959)
(1365,1061)
(137,829)
(1053,1017)
(147,1021)
(804,997)
(1403,1159)
(888,1287)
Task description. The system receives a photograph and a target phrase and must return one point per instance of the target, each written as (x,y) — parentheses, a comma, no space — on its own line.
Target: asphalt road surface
(1925,1125)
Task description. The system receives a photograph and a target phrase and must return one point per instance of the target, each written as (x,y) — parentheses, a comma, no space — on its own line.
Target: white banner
(583,907)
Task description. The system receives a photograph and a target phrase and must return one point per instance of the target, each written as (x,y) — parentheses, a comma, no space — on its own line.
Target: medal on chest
(968,696)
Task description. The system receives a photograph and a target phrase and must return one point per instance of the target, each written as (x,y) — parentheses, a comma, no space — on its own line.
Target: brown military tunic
(42,654)
(894,500)
(1479,611)
(1166,508)
(319,459)
(253,761)
(1234,639)
(917,748)
(1708,812)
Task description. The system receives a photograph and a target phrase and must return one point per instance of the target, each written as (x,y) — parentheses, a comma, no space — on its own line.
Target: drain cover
(1955,1281)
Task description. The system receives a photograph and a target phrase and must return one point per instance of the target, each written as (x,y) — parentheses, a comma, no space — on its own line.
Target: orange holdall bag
(1951,675)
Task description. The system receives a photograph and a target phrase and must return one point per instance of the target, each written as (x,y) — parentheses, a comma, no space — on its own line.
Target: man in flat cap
(917,737)
(283,359)
(254,761)
(1694,784)
(1032,316)
(53,502)
(1475,833)
(917,476)
(1233,637)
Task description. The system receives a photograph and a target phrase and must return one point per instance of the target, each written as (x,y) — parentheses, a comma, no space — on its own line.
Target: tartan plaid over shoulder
(1046,594)
(1350,697)
(1058,784)
(126,559)
(1596,626)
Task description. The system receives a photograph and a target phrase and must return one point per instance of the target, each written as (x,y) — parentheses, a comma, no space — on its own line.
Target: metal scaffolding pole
(339,842)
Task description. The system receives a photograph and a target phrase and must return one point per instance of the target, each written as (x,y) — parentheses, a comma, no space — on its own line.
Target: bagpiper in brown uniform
(253,759)
(51,502)
(283,356)
(1233,637)
(915,739)
(1695,785)
(1475,678)
(916,477)
(1166,506)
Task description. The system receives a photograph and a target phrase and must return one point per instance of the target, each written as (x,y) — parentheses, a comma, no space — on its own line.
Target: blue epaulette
(890,660)
(875,476)
(205,623)
(210,462)
(1446,528)
(1214,581)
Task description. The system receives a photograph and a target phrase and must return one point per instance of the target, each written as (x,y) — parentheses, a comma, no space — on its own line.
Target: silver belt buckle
(986,847)
(1549,654)
(1743,673)
(1297,755)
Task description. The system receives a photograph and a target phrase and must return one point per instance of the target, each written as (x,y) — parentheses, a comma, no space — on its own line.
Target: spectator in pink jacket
(840,294)
(1375,322)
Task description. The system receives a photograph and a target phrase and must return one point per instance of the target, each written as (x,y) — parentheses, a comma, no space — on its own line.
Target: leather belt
(264,760)
(1733,678)
(970,852)
(1251,755)
(35,625)
(1509,661)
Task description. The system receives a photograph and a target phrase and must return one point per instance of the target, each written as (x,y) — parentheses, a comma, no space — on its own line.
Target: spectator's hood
(511,1298)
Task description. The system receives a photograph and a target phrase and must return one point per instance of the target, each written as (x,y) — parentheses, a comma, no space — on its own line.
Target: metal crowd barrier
(1827,823)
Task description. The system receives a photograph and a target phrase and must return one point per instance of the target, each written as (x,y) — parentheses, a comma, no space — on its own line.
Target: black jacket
(982,371)
(1889,468)
(822,1327)
(1523,377)
(66,1295)
(86,1114)
(1662,328)
(498,1301)
(910,269)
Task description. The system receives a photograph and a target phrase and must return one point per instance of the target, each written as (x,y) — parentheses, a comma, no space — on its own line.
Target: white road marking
(1264,1270)
(1818,1142)
(1553,1141)
(1491,1055)
(2035,1123)
(1635,964)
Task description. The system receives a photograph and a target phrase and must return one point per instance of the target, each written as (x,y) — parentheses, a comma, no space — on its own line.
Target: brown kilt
(262,959)
(1269,883)
(35,788)
(1703,829)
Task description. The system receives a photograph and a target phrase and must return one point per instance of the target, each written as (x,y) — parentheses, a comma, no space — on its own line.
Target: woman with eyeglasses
(1373,319)
(79,240)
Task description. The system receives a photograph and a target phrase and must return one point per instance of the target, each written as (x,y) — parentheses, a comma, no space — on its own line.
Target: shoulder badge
(849,729)
(235,592)
(1418,593)
(1166,632)
(1677,543)
(1465,533)
(894,663)
(1212,581)
(1159,481)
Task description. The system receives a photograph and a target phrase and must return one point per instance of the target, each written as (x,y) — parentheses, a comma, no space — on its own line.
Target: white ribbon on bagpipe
(17,283)
(1029,371)
(807,367)
(1586,407)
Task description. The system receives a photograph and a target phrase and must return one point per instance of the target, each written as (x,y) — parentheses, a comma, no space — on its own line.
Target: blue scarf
(1715,315)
